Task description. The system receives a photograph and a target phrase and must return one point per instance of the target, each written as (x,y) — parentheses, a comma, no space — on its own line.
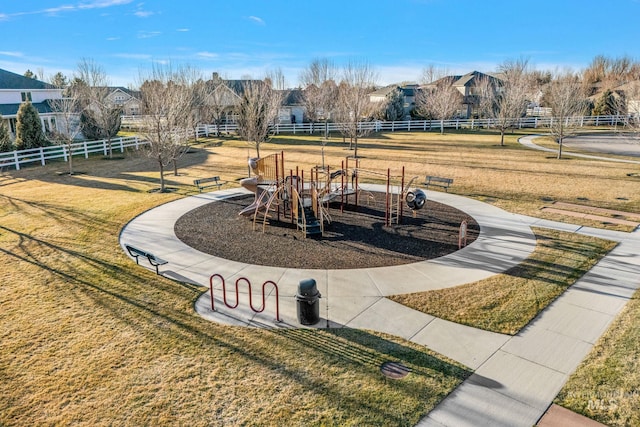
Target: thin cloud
(148,34)
(96,4)
(183,30)
(12,54)
(137,56)
(208,55)
(257,20)
(143,13)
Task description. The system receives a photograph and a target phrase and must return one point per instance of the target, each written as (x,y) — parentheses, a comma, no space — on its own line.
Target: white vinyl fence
(418,125)
(55,152)
(41,155)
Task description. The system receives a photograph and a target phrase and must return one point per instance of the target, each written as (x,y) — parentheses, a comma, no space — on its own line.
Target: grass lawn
(507,302)
(606,386)
(88,338)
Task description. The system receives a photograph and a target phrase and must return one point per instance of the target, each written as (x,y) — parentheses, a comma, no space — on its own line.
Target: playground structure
(306,202)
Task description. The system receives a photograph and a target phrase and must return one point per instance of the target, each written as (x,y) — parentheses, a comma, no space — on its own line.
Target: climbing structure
(305,203)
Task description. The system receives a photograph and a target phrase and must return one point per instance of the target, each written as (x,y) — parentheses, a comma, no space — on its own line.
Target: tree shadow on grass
(135,296)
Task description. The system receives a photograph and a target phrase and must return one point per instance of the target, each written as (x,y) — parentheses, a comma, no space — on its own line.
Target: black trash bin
(308,300)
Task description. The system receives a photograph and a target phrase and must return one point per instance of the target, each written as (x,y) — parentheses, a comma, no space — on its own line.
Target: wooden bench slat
(438,181)
(204,183)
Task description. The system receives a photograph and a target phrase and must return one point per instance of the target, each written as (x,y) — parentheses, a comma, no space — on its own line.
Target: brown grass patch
(507,302)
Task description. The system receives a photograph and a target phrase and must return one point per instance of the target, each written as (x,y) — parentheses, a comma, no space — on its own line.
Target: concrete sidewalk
(515,379)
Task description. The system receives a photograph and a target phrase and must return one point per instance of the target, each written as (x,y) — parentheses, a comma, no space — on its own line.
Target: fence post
(42,156)
(86,150)
(15,157)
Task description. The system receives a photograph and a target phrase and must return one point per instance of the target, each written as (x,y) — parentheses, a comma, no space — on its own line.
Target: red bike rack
(244,279)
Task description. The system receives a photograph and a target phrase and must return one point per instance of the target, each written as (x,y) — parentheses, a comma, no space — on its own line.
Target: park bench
(153,260)
(438,182)
(204,183)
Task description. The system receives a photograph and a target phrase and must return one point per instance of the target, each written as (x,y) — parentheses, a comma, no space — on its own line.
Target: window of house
(26,96)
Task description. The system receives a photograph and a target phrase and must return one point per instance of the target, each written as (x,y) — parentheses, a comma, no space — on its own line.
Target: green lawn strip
(507,302)
(90,338)
(605,385)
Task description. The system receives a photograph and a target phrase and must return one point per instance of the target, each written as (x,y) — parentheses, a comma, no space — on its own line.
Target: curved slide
(260,200)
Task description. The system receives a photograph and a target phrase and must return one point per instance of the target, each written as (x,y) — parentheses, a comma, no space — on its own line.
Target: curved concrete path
(515,379)
(616,149)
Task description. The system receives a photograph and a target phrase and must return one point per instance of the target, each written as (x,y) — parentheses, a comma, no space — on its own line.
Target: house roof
(7,110)
(293,97)
(464,80)
(132,93)
(9,80)
(407,90)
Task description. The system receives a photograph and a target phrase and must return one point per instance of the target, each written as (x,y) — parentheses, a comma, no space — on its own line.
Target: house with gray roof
(408,93)
(16,89)
(467,86)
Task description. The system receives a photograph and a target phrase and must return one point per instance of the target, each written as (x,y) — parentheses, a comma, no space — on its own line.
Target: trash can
(308,302)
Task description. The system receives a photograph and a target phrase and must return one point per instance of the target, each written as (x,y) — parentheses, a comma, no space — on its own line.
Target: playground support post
(387,220)
(401,198)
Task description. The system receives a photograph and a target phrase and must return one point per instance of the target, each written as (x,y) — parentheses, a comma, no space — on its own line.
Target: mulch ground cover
(355,238)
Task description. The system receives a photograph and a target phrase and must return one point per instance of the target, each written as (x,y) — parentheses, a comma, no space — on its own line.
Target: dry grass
(90,339)
(507,302)
(606,386)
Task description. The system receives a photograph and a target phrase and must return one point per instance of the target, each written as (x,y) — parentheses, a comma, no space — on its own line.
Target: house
(293,106)
(467,85)
(408,93)
(16,89)
(128,100)
(228,95)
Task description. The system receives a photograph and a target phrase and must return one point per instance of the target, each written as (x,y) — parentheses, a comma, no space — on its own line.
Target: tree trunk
(70,160)
(175,167)
(161,175)
(355,147)
(560,147)
(502,137)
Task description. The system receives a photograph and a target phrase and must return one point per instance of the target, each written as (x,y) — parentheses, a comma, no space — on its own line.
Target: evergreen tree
(28,128)
(393,108)
(29,74)
(5,138)
(605,105)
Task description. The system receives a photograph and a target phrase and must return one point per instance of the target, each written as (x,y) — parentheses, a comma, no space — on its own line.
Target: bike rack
(244,279)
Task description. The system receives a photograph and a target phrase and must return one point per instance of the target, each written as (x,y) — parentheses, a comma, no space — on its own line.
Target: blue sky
(240,38)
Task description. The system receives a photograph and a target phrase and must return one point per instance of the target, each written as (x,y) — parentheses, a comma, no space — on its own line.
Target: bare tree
(167,120)
(257,112)
(67,126)
(431,73)
(277,79)
(318,82)
(217,100)
(632,108)
(567,101)
(439,100)
(319,94)
(505,101)
(91,85)
(354,105)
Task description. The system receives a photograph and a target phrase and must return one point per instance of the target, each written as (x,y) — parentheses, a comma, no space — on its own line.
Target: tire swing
(415,199)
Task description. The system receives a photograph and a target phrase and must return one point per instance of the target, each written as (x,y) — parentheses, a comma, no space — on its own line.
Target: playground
(135,349)
(353,227)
